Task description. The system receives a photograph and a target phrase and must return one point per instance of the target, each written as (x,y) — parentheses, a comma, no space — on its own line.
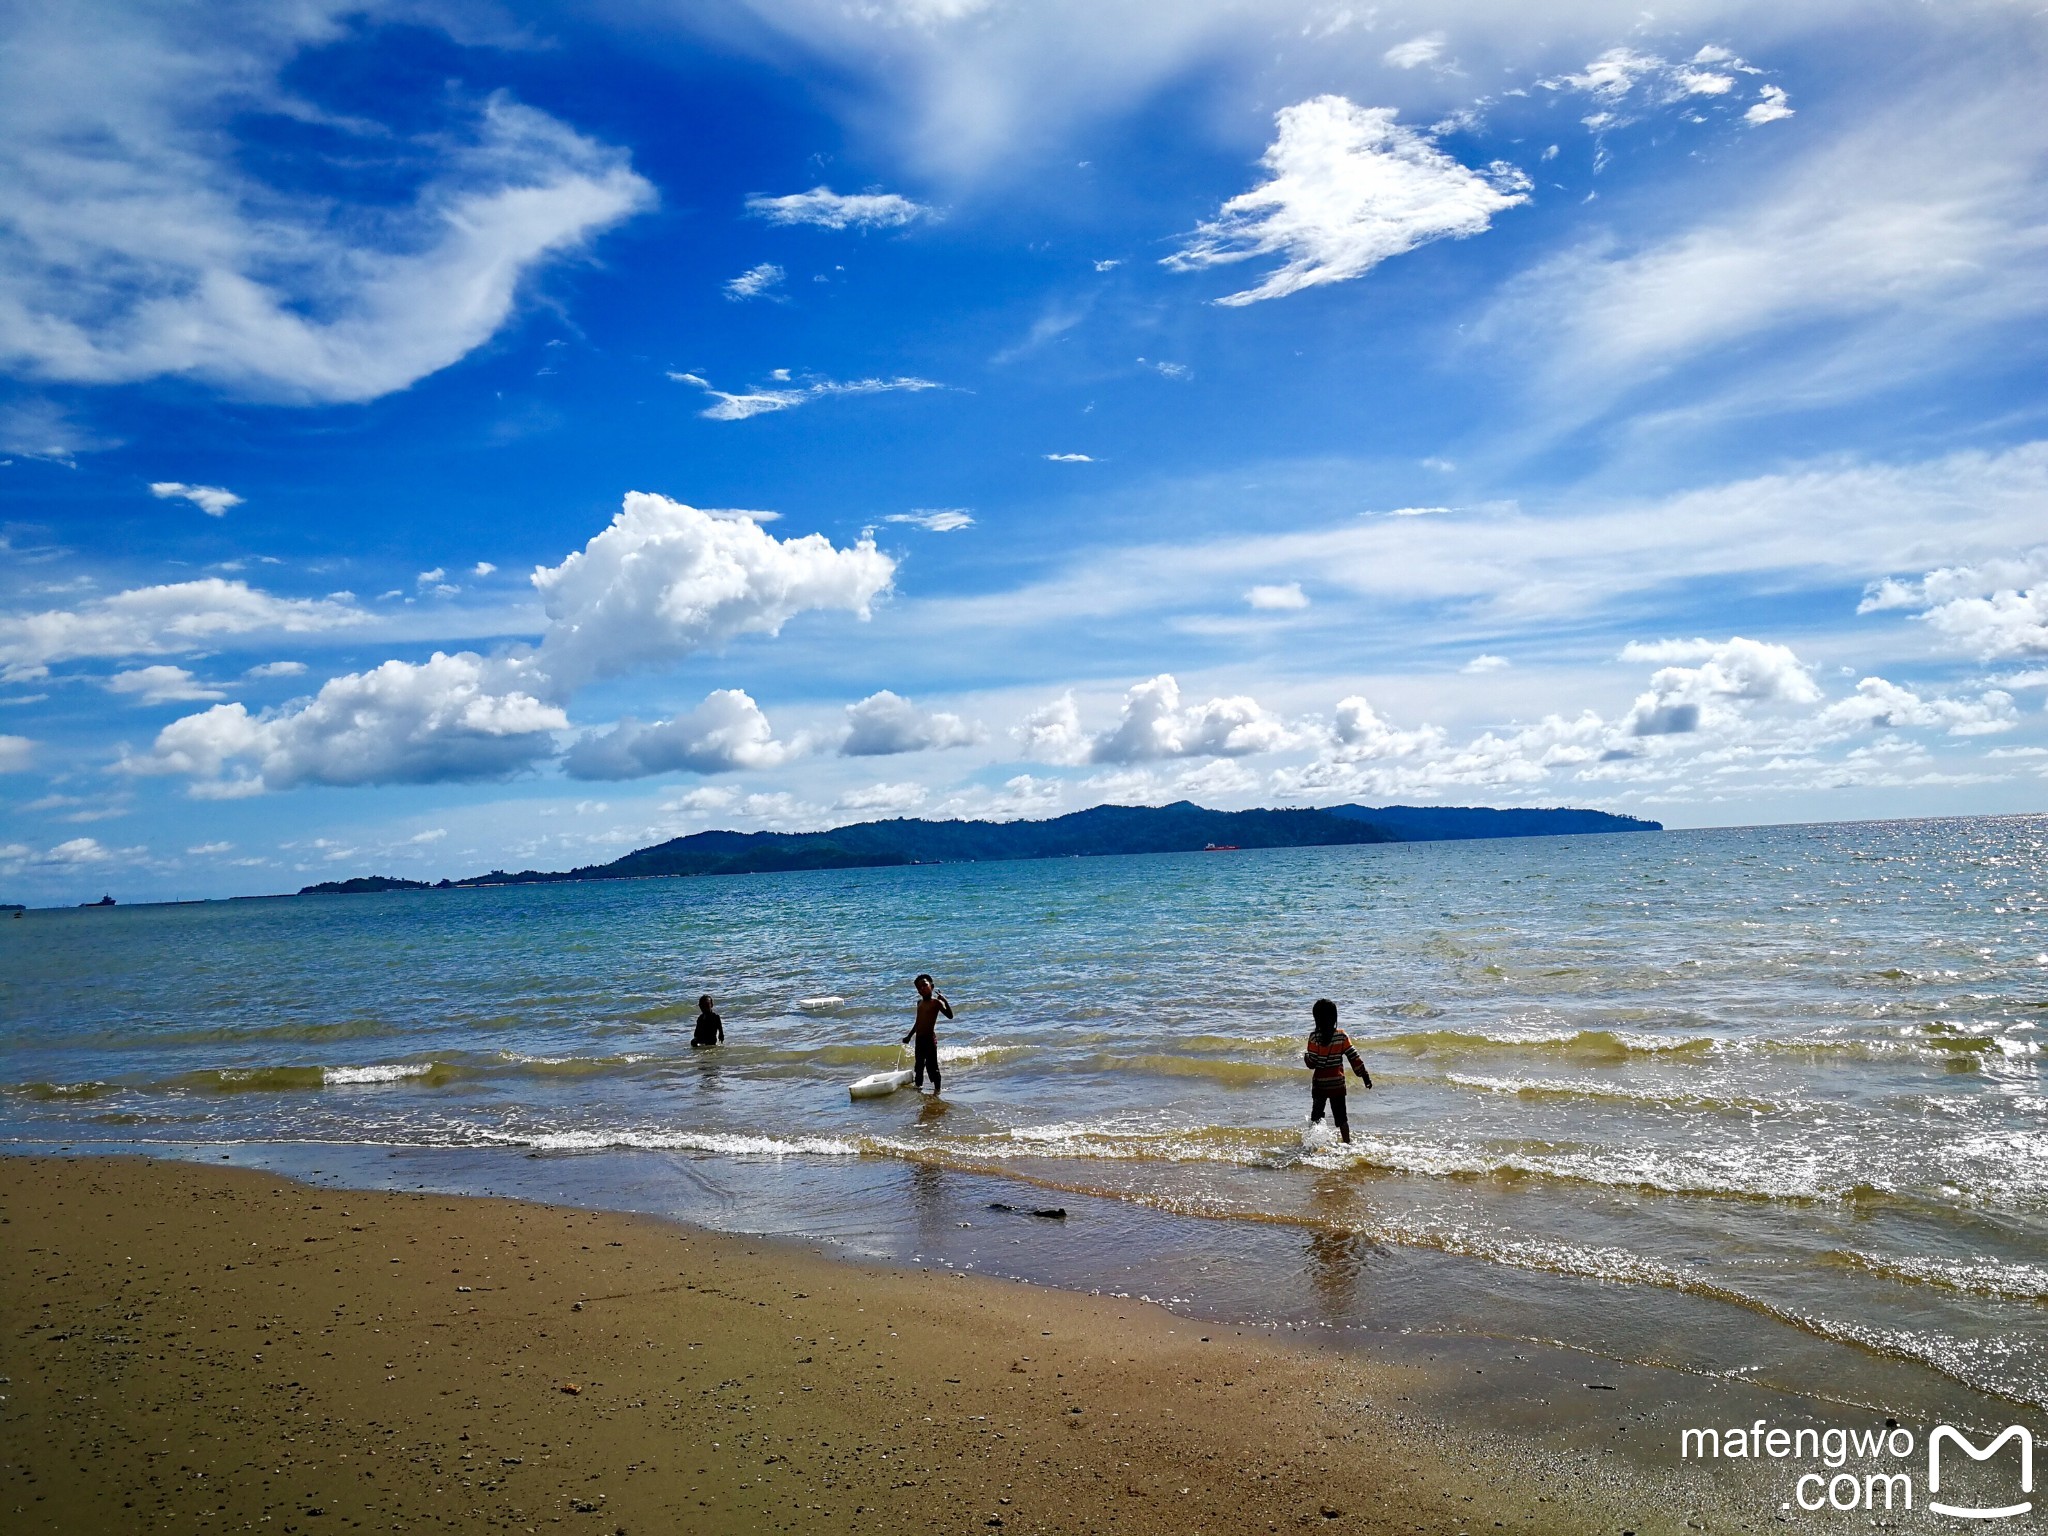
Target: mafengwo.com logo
(1865,1471)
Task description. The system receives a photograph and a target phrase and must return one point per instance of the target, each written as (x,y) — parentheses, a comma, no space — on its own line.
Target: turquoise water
(1765,1103)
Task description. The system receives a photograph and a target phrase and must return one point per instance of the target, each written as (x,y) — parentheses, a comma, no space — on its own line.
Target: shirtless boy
(930,1004)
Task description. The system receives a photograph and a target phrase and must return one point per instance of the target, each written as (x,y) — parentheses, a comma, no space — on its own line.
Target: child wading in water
(1328,1049)
(930,1004)
(710,1027)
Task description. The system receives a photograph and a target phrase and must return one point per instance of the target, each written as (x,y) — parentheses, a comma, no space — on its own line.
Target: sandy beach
(190,1347)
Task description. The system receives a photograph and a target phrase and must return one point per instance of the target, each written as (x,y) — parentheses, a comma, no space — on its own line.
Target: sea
(1761,1105)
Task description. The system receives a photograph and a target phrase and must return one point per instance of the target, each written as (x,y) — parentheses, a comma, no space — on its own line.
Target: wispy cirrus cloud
(782,393)
(756,282)
(138,243)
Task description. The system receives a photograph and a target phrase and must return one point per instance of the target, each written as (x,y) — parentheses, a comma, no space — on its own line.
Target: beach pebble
(1331,1512)
(569,1387)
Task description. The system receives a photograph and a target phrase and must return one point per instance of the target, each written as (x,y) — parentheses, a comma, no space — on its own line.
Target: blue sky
(442,436)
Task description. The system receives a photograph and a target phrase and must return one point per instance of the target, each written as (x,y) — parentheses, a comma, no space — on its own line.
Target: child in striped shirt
(1328,1049)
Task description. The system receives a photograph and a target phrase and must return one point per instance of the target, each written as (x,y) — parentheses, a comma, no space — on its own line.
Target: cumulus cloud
(1878,704)
(77,851)
(1771,106)
(1996,610)
(1349,188)
(884,724)
(1052,733)
(16,753)
(270,669)
(1360,735)
(935,519)
(1486,662)
(1155,724)
(141,240)
(783,396)
(210,499)
(160,685)
(896,799)
(158,621)
(451,719)
(1281,597)
(1683,699)
(666,580)
(727,731)
(755,282)
(833,210)
(663,581)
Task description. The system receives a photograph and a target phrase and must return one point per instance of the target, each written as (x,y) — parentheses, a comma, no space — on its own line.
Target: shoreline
(189,1340)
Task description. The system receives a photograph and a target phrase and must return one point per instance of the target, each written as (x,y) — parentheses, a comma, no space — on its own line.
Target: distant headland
(1182,827)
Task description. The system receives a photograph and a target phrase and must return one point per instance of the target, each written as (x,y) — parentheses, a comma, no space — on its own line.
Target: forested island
(1182,827)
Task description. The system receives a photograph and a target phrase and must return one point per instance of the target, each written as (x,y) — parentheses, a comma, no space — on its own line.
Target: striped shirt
(1326,1058)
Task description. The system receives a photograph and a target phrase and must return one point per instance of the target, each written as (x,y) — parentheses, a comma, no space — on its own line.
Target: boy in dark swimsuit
(930,1004)
(710,1027)
(1328,1049)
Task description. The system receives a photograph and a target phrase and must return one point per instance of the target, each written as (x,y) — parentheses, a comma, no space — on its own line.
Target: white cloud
(1879,704)
(270,669)
(1053,734)
(1681,699)
(1906,244)
(832,210)
(1071,458)
(141,241)
(452,718)
(482,568)
(760,402)
(667,580)
(16,753)
(41,429)
(208,850)
(78,850)
(1155,724)
(664,580)
(1282,596)
(1619,73)
(1996,610)
(160,685)
(1486,662)
(756,282)
(1771,106)
(1426,49)
(935,519)
(158,621)
(1349,188)
(1824,526)
(885,723)
(726,732)
(210,499)
(1360,735)
(894,798)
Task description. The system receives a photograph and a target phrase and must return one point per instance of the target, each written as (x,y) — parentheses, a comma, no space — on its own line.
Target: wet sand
(191,1347)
